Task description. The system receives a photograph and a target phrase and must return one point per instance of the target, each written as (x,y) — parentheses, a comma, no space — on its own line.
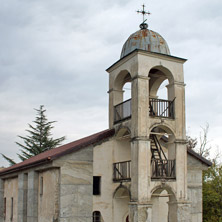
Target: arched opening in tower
(122,100)
(161,100)
(162,92)
(163,153)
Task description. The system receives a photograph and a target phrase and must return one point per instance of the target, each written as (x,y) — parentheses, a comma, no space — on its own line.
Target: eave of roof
(198,157)
(48,156)
(147,52)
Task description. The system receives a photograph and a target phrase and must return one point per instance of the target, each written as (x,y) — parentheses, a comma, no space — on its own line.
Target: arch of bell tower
(120,79)
(168,74)
(157,75)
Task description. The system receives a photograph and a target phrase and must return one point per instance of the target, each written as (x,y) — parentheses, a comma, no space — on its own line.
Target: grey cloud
(55,53)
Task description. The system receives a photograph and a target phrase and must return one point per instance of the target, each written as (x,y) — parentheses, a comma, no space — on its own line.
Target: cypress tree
(39,138)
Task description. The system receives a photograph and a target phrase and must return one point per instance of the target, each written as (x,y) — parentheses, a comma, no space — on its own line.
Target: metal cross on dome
(143,12)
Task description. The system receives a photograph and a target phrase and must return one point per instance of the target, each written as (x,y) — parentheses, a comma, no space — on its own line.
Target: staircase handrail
(170,102)
(157,143)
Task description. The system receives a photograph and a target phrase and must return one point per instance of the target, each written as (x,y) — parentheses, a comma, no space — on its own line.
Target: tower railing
(122,111)
(122,171)
(163,169)
(157,108)
(161,108)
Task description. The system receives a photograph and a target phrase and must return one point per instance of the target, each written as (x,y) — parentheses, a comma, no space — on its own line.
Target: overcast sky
(55,53)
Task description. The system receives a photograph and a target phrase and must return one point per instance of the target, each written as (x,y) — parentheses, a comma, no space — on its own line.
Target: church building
(138,170)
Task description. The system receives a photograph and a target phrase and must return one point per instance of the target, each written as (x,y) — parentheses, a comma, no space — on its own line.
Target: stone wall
(194,180)
(1,200)
(76,178)
(58,191)
(48,195)
(112,207)
(102,166)
(11,191)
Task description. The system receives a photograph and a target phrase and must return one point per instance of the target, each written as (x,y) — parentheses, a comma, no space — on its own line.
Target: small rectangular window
(96,185)
(12,209)
(96,216)
(41,186)
(4,208)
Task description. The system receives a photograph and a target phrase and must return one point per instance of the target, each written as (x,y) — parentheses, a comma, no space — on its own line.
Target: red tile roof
(53,154)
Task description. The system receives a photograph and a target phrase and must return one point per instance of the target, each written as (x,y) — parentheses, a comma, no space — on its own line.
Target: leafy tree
(212,194)
(212,178)
(39,138)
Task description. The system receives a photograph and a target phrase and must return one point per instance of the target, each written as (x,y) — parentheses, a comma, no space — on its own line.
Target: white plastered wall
(104,155)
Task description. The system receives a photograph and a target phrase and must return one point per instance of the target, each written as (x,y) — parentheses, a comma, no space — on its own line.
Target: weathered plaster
(11,191)
(48,200)
(22,197)
(32,203)
(1,200)
(194,180)
(76,177)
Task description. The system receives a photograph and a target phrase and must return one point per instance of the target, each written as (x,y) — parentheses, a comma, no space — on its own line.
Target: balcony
(163,169)
(122,111)
(122,171)
(161,108)
(157,108)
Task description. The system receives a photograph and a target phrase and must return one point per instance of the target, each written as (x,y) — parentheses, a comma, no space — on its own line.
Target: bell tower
(156,125)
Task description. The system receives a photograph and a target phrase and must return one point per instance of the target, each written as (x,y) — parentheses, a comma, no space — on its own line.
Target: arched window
(96,216)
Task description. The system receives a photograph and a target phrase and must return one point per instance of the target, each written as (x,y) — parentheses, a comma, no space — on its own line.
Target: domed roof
(145,39)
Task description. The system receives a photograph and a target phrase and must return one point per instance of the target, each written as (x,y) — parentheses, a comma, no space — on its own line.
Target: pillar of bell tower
(115,97)
(140,205)
(140,104)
